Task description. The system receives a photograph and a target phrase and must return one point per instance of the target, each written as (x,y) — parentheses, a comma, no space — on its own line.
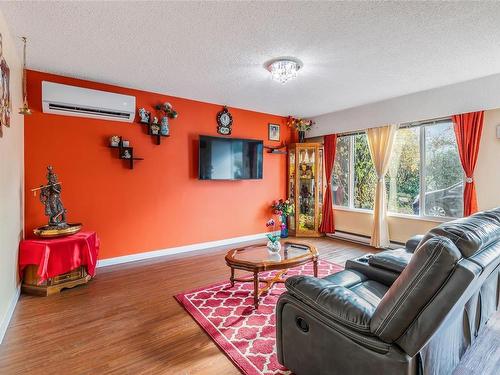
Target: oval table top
(258,258)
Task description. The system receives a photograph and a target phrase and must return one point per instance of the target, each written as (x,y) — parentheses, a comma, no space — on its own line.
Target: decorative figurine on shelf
(154,128)
(114,141)
(144,116)
(164,129)
(50,196)
(305,195)
(126,154)
(306,171)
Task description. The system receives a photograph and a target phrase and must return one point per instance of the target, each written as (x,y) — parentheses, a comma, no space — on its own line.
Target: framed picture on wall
(274,132)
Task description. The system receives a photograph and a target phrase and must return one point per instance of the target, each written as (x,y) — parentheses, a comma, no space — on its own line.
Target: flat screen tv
(229,158)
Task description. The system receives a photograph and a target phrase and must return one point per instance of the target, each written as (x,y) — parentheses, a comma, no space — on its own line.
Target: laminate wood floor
(126,321)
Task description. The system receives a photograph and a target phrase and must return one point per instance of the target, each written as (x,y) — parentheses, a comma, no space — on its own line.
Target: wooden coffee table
(256,258)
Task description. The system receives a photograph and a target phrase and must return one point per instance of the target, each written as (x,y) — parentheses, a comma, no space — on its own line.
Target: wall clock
(224,122)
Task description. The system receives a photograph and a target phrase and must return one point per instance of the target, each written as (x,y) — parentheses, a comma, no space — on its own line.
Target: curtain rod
(402,125)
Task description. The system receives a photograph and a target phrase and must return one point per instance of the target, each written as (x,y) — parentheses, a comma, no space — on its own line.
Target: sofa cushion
(346,278)
(334,301)
(371,291)
(470,234)
(426,273)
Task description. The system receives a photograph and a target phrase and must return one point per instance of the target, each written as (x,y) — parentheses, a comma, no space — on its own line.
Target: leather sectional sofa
(374,319)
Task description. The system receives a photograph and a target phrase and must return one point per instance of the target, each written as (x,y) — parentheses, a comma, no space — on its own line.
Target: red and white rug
(247,336)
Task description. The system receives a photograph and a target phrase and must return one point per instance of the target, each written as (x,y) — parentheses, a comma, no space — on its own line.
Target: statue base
(48,231)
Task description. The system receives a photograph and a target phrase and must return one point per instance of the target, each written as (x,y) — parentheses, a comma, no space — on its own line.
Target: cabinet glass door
(306,189)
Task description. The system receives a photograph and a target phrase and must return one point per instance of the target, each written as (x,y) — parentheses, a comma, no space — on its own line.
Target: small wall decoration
(155,127)
(144,116)
(224,122)
(5,104)
(124,150)
(25,109)
(274,132)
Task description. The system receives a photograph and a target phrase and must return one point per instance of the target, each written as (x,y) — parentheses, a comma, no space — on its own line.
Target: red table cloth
(56,256)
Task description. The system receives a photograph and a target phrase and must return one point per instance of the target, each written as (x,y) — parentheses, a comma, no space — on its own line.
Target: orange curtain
(330,146)
(468,128)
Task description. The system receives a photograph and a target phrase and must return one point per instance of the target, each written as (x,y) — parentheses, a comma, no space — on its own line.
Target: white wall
(11,184)
(470,96)
(487,173)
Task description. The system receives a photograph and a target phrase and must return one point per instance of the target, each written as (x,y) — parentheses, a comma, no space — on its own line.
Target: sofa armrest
(412,244)
(334,301)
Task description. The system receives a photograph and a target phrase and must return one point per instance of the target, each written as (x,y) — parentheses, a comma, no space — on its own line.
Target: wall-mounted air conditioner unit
(77,101)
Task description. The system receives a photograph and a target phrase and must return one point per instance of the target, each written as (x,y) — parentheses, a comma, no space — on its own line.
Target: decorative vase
(302,136)
(284,228)
(164,130)
(273,247)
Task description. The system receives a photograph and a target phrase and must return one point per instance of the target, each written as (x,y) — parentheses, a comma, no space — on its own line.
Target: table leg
(315,267)
(256,289)
(232,277)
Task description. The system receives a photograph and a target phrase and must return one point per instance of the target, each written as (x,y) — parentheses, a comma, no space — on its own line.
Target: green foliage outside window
(365,178)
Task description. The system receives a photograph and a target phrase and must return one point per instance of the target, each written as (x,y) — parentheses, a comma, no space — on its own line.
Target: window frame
(422,145)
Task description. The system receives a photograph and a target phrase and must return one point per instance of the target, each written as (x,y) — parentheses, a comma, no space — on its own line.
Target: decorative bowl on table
(51,231)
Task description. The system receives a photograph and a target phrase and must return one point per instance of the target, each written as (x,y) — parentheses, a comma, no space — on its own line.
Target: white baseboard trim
(8,315)
(358,239)
(178,250)
(350,237)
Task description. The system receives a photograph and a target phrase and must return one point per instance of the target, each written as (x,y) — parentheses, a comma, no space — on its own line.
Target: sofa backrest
(429,269)
(470,234)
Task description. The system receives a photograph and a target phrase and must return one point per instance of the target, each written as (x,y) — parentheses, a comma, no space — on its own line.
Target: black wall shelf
(126,153)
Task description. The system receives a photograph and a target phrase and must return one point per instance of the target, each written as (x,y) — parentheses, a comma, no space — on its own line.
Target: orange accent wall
(160,203)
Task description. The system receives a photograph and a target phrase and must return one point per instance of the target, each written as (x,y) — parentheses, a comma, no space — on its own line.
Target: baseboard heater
(358,238)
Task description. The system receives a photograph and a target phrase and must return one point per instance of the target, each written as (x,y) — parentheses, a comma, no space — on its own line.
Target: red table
(56,256)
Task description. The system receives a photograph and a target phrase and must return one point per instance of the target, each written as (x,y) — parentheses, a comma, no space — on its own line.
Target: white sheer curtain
(380,141)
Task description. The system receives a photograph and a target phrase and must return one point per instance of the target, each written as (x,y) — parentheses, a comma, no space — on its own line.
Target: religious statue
(50,196)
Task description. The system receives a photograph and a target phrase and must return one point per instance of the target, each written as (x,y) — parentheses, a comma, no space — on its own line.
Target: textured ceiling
(353,53)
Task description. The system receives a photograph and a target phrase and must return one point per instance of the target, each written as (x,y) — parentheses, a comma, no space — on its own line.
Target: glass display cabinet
(305,188)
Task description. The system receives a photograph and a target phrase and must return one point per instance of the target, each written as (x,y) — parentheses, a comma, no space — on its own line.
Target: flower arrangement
(167,109)
(273,237)
(300,124)
(282,208)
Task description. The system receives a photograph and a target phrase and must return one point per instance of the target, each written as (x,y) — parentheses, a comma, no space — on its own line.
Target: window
(443,173)
(365,178)
(340,175)
(425,177)
(403,178)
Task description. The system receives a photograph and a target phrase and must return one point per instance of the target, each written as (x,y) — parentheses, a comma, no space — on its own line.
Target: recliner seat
(423,322)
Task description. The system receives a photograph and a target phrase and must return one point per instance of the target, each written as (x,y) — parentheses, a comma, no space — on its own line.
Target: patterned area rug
(247,336)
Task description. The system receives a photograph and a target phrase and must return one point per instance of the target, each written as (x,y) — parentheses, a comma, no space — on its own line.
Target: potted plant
(273,245)
(283,208)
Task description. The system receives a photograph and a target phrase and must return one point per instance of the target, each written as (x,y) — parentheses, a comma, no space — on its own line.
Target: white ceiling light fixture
(284,69)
